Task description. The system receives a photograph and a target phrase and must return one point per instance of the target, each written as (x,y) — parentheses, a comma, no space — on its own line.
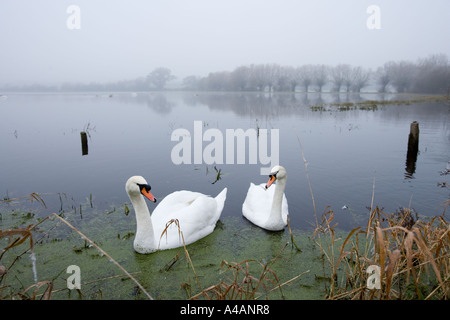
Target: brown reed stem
(107,255)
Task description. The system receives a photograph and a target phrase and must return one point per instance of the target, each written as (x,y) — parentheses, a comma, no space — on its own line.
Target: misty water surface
(130,134)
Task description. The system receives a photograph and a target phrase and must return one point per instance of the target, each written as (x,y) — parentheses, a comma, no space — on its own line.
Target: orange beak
(272,178)
(148,195)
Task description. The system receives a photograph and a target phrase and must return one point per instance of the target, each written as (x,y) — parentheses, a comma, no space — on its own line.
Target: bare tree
(288,79)
(360,77)
(383,77)
(429,75)
(348,73)
(340,75)
(159,77)
(240,78)
(256,77)
(271,75)
(433,74)
(218,81)
(320,77)
(402,75)
(305,75)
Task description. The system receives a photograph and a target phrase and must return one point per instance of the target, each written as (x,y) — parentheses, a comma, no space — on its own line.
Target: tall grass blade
(106,254)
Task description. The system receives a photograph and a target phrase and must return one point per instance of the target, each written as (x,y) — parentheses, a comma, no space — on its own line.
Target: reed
(186,252)
(412,256)
(19,236)
(24,234)
(105,254)
(244,284)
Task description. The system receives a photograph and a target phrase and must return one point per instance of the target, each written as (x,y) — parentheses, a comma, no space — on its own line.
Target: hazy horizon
(119,40)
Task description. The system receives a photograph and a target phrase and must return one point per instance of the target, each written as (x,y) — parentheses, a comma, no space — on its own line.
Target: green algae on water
(165,274)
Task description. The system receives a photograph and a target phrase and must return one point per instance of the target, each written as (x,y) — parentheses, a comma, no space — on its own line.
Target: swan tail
(220,200)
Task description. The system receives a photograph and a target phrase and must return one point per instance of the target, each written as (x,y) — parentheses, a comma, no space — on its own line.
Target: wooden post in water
(413,149)
(414,135)
(84,143)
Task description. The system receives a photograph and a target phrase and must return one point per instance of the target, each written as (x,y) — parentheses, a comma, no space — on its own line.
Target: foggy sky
(121,39)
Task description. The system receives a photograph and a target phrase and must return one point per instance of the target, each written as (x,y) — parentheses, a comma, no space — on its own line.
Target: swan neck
(144,226)
(278,199)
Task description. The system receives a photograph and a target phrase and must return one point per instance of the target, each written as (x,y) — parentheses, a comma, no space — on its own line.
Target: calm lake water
(130,134)
(347,148)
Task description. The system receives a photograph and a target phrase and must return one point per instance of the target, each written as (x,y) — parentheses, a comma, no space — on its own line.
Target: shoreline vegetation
(370,104)
(411,253)
(374,104)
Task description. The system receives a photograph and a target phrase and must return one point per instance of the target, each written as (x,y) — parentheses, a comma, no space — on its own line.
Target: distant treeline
(427,75)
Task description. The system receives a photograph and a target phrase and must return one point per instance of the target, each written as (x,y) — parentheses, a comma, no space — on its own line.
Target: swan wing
(258,203)
(196,213)
(284,209)
(175,202)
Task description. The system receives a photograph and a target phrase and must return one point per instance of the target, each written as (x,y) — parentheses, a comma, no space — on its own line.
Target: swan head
(277,172)
(137,185)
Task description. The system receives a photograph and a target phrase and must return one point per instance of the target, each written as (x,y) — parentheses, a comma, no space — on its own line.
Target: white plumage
(195,212)
(267,207)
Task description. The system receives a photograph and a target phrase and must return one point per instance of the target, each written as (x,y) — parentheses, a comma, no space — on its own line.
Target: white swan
(268,208)
(196,213)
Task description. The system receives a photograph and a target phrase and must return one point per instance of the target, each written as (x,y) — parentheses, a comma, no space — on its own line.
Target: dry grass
(19,236)
(243,285)
(24,234)
(412,256)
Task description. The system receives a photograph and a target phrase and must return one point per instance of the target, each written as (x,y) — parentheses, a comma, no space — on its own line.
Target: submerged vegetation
(373,105)
(105,259)
(410,258)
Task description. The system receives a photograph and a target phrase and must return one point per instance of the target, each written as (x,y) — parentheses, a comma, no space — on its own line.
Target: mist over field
(226,45)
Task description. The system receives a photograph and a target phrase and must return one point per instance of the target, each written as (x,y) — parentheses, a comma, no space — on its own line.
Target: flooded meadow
(71,154)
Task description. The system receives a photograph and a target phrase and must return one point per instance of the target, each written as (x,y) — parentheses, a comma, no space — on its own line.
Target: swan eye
(144,186)
(272,178)
(273,174)
(145,191)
